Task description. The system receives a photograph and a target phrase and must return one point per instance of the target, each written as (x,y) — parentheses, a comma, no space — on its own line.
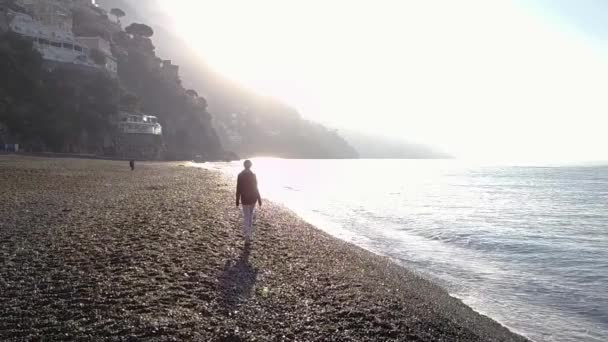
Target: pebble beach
(91,251)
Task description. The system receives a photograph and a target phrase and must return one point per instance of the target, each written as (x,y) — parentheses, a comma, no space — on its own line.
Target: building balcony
(138,123)
(140,128)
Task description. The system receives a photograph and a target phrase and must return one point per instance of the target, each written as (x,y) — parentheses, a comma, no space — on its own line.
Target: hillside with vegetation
(54,107)
(61,107)
(59,110)
(246,123)
(187,124)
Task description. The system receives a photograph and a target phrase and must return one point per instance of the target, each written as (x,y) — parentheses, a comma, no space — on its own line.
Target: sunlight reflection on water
(525,244)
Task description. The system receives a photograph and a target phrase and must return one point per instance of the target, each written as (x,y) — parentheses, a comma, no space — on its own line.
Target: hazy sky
(477,78)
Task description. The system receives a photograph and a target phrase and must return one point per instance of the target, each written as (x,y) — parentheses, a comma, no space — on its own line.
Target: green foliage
(141,30)
(63,110)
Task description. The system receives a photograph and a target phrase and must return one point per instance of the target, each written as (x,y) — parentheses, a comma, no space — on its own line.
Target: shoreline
(92,249)
(336,234)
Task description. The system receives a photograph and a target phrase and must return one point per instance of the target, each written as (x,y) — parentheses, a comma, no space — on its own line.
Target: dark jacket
(247,189)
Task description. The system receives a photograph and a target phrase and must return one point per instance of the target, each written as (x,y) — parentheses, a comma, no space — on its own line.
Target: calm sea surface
(526,245)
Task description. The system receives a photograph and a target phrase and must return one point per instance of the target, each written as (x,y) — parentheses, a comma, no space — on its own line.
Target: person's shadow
(237,280)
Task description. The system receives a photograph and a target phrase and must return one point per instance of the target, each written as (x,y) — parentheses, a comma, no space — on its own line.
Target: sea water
(524,244)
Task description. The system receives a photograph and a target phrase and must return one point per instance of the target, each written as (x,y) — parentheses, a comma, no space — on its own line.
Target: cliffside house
(138,123)
(139,136)
(54,43)
(59,45)
(103,46)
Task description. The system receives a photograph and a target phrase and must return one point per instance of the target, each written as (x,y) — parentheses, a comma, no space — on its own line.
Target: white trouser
(248,221)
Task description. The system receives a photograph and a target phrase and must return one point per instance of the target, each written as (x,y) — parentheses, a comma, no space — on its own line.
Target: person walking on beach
(132,164)
(247,193)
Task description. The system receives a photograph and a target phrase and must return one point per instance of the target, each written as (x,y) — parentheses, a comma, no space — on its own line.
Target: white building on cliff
(56,44)
(138,123)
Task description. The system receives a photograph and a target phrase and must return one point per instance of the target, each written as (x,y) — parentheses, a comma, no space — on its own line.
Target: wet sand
(92,251)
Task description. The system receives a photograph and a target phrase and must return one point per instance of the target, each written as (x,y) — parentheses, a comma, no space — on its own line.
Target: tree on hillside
(117,13)
(202,102)
(79,107)
(191,92)
(63,110)
(20,88)
(141,30)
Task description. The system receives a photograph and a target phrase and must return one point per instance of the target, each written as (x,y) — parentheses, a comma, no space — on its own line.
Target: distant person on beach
(248,194)
(132,164)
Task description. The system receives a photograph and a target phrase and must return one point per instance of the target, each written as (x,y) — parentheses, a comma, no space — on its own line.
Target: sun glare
(475,78)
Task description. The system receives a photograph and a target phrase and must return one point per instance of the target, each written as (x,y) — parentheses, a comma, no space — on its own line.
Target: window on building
(78,48)
(56,44)
(43,41)
(68,46)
